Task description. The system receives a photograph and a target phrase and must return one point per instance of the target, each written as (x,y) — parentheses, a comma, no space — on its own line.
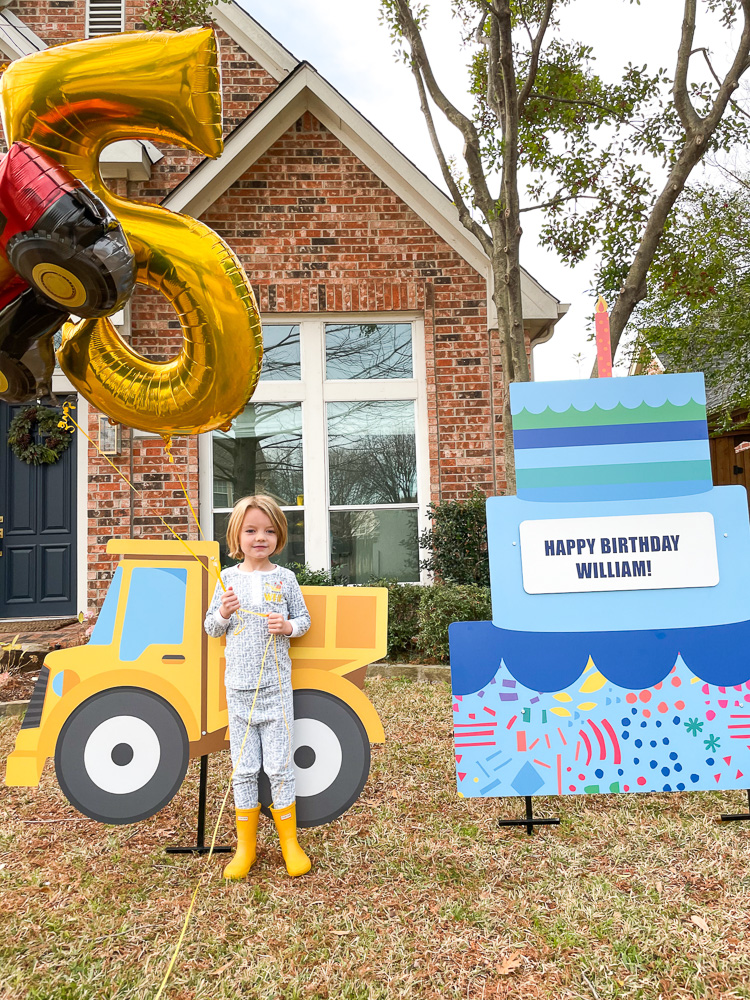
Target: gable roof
(301,88)
(304,89)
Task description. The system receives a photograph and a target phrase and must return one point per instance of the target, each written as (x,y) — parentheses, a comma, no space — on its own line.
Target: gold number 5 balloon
(70,102)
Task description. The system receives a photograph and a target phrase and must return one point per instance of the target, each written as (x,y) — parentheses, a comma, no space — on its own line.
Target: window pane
(155,613)
(262,453)
(104,629)
(375,544)
(281,358)
(369,350)
(371,452)
(293,552)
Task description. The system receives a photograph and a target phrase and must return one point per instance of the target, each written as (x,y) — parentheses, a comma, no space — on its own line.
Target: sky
(345,42)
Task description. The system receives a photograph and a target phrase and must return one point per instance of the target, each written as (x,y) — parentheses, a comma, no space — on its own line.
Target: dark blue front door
(38,544)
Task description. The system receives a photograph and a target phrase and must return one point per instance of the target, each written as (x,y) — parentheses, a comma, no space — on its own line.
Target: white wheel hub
(139,750)
(325,744)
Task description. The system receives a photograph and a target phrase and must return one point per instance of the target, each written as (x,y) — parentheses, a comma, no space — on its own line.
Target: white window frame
(313,393)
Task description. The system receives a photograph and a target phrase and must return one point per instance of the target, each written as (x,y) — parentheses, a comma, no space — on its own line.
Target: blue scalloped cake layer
(630,442)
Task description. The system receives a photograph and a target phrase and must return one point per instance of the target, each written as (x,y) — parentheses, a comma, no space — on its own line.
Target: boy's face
(258,537)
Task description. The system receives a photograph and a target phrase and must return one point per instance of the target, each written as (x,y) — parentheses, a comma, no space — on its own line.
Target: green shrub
(307,577)
(403,616)
(457,541)
(445,603)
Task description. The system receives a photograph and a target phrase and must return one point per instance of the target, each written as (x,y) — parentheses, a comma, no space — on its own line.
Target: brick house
(381,388)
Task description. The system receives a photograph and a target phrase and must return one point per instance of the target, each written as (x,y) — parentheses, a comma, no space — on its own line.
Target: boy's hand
(230,603)
(278,625)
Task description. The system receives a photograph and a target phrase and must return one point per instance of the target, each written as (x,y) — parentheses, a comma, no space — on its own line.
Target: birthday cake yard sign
(618,657)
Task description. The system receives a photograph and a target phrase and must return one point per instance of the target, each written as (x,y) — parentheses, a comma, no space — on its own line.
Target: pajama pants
(268,744)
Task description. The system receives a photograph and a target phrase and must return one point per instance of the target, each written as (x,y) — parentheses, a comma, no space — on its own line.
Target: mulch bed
(22,655)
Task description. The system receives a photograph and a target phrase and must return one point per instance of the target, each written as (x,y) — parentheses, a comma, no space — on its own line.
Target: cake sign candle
(603,342)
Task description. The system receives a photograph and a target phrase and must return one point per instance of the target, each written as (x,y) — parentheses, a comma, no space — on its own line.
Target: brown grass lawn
(413,893)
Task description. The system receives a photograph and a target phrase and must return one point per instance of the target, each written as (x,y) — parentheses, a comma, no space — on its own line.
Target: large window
(336,432)
(262,453)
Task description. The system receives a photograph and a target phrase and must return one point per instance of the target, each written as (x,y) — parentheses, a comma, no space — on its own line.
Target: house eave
(129,159)
(16,38)
(266,50)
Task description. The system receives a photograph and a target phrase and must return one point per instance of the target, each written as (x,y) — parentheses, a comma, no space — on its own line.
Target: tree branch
(536,47)
(494,99)
(472,152)
(689,117)
(463,212)
(584,104)
(732,101)
(559,200)
(697,130)
(743,181)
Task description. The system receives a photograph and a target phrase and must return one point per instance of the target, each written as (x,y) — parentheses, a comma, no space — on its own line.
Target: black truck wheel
(17,384)
(331,758)
(88,279)
(121,755)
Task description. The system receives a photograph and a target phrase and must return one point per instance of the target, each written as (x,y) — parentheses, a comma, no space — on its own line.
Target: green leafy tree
(696,315)
(588,147)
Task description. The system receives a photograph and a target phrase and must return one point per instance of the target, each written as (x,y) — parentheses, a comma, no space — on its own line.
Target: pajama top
(274,591)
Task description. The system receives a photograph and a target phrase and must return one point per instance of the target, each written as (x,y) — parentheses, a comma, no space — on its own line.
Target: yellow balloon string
(68,419)
(191,907)
(65,422)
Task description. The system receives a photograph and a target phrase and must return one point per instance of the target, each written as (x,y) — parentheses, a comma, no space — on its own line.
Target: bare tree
(587,145)
(698,126)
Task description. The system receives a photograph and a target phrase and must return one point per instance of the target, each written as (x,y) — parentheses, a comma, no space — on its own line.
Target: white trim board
(62,386)
(16,38)
(267,51)
(313,392)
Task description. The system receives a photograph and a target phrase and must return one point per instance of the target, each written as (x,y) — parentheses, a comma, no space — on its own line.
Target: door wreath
(54,436)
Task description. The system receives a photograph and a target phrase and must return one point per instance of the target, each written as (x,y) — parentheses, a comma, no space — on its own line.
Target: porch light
(110,441)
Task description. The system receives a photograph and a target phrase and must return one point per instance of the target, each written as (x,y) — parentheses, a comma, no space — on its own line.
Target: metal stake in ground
(731,817)
(531,821)
(200,844)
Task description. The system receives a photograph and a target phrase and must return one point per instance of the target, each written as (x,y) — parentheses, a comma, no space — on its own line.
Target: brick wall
(318,231)
(244,84)
(54,21)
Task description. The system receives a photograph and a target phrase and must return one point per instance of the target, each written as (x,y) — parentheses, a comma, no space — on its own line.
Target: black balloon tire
(97,274)
(21,383)
(130,807)
(345,789)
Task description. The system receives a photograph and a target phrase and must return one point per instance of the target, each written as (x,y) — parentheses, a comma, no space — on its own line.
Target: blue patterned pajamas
(268,743)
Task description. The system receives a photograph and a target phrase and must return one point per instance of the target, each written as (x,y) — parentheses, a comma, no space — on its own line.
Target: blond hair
(270,508)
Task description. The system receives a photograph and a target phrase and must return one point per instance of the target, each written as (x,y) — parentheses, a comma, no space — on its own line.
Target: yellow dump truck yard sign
(123,715)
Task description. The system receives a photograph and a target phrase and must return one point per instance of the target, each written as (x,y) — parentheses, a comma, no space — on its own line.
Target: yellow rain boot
(244,858)
(297,862)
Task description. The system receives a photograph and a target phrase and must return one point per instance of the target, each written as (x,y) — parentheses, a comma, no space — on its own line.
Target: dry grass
(414,893)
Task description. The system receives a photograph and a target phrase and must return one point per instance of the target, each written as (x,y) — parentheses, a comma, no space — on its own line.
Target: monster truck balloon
(61,252)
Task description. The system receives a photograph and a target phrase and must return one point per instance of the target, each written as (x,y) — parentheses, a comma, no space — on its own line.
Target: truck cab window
(104,629)
(155,612)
